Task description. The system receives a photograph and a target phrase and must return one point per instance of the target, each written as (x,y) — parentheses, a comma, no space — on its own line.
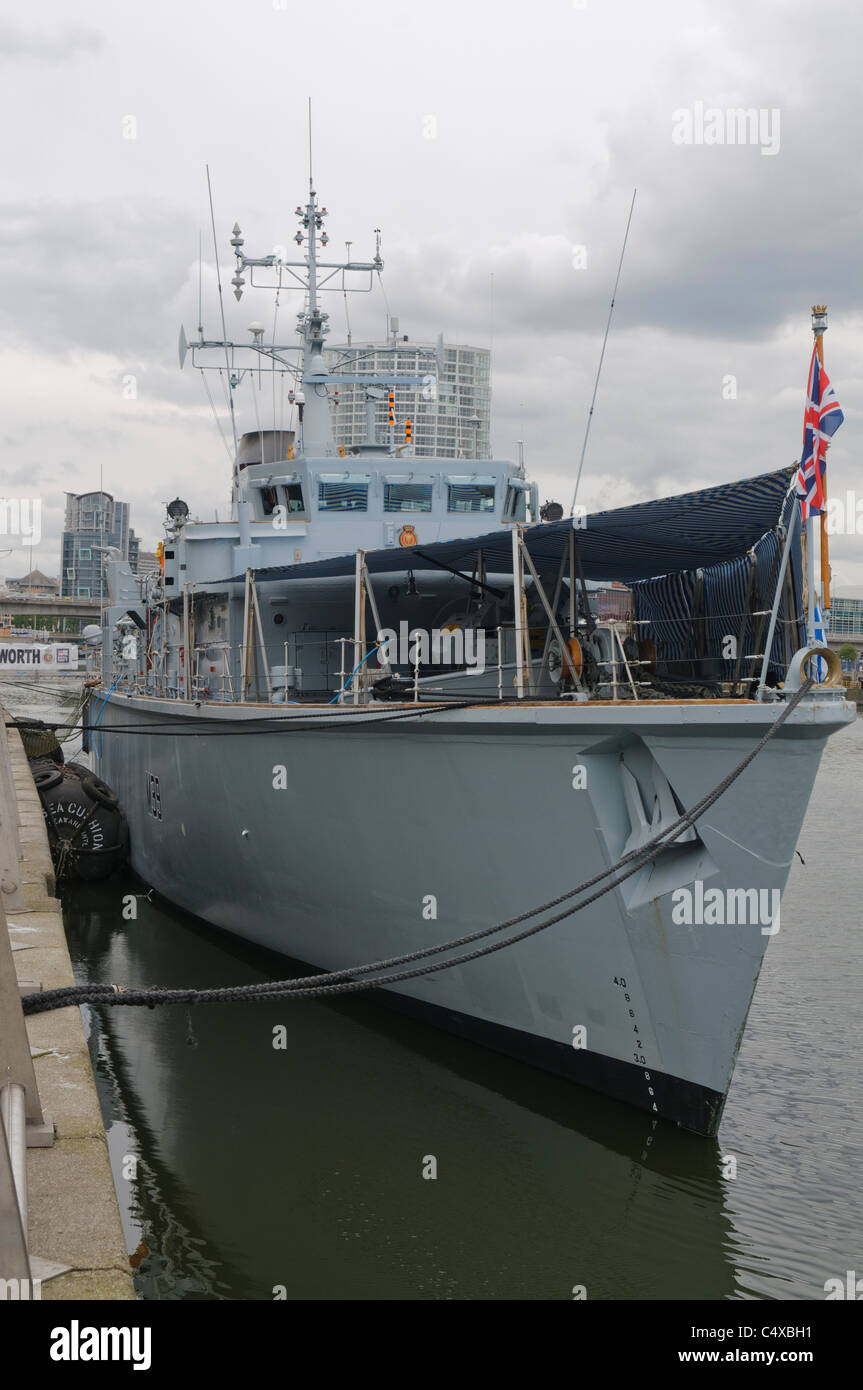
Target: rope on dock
(348,981)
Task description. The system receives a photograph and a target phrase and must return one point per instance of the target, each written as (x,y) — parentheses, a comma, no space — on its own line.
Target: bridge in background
(36,606)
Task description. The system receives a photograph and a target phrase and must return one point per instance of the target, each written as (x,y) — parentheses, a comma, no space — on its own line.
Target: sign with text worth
(41,656)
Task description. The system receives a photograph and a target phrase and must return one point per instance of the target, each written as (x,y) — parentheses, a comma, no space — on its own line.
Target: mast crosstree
(314,276)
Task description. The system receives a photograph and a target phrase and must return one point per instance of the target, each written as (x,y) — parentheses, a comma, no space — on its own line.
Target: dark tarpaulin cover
(691,615)
(671,534)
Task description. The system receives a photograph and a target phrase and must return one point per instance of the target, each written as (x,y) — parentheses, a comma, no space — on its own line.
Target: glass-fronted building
(449,408)
(846,619)
(93,521)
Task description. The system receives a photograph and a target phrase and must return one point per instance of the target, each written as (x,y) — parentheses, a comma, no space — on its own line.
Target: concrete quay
(71,1220)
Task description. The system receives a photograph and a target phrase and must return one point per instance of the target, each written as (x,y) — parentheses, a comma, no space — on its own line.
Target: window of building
(407,497)
(83,593)
(470,497)
(84,555)
(343,497)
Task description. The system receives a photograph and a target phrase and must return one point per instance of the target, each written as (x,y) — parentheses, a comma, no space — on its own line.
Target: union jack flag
(821,421)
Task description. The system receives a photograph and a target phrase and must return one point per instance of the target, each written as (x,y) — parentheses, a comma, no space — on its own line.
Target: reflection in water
(302,1166)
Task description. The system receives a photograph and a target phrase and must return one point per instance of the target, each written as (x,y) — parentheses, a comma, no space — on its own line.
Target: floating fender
(87,830)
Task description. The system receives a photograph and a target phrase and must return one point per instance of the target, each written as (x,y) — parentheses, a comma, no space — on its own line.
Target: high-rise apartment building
(449,407)
(94,520)
(141,562)
(148,563)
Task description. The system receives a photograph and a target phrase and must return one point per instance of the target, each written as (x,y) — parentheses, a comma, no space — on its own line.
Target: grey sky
(544,118)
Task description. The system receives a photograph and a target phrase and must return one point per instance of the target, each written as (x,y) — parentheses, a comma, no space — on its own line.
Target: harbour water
(250,1171)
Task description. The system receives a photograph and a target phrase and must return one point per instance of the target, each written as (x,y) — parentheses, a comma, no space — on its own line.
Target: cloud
(104,276)
(542,132)
(58,46)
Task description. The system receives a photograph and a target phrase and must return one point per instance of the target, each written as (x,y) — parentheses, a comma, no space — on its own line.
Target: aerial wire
(224,437)
(602,354)
(276,422)
(200,283)
(200,335)
(224,335)
(348,245)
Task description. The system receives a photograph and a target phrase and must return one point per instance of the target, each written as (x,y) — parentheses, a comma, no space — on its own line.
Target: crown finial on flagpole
(819,319)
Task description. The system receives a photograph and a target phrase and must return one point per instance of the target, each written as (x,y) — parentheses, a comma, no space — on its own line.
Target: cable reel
(560,670)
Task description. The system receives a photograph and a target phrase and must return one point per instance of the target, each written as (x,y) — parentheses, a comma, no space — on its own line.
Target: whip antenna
(224,334)
(602,354)
(200,284)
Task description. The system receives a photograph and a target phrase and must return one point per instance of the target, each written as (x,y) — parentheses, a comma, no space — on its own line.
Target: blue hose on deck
(354,672)
(101,711)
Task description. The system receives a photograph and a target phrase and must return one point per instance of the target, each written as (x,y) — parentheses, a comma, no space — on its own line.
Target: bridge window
(294,496)
(269,500)
(470,497)
(343,497)
(408,497)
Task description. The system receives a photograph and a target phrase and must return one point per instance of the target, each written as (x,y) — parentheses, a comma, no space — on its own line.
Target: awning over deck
(687,532)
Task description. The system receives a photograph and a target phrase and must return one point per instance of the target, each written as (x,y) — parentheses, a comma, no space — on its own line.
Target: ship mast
(314,410)
(313,275)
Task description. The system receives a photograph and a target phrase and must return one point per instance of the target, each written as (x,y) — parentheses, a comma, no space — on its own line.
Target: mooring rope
(348,981)
(356,716)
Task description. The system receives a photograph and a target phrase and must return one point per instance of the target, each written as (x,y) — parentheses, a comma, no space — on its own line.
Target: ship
(391,710)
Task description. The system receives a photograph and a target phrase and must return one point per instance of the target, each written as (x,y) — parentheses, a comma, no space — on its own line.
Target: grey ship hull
(389,837)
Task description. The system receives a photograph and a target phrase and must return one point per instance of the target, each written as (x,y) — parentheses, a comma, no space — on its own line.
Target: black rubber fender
(46,774)
(87,830)
(99,791)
